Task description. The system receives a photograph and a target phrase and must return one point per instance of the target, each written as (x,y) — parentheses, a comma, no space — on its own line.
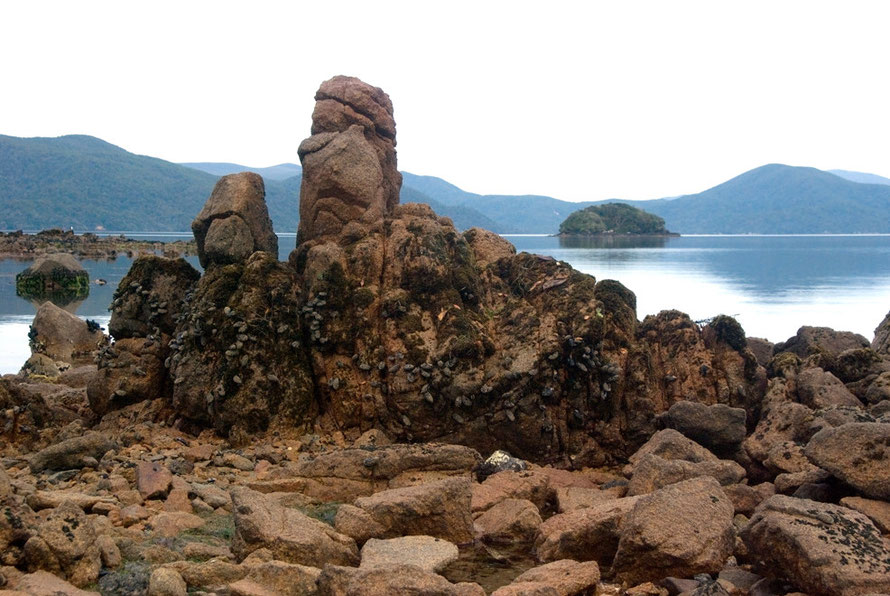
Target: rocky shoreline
(405,409)
(19,245)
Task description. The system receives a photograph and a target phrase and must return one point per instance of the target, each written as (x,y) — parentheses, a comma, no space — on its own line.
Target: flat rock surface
(426,552)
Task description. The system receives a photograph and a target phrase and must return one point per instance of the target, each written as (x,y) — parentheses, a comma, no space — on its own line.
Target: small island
(613,219)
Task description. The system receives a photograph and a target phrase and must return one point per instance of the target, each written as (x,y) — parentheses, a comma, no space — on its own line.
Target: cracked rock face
(234,222)
(349,162)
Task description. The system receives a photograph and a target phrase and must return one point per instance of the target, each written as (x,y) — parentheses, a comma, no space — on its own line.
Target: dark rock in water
(63,336)
(811,340)
(54,276)
(150,296)
(719,427)
(823,549)
(234,222)
(498,462)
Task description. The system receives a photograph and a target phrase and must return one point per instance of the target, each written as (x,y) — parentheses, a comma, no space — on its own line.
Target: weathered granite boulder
(426,552)
(559,578)
(234,222)
(150,296)
(811,340)
(349,162)
(653,472)
(440,509)
(817,388)
(718,427)
(509,523)
(857,453)
(589,534)
(70,453)
(679,531)
(823,549)
(65,544)
(290,535)
(63,336)
(383,581)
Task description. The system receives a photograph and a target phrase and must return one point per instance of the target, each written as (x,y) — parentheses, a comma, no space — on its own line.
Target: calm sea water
(772,284)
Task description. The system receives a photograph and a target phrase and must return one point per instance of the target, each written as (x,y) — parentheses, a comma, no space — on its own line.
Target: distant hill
(861,177)
(779,199)
(85,183)
(282,171)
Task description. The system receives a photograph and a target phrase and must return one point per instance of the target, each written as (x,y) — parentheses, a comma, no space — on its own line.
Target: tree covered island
(613,219)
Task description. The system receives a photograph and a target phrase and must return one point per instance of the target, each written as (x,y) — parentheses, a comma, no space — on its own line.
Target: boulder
(532,485)
(653,472)
(53,274)
(234,222)
(153,480)
(166,582)
(277,577)
(290,535)
(428,553)
(43,583)
(589,534)
(762,349)
(150,296)
(819,389)
(572,498)
(70,453)
(63,336)
(856,453)
(349,162)
(877,511)
(823,549)
(811,340)
(717,427)
(65,544)
(680,530)
(563,578)
(487,246)
(440,509)
(510,522)
(383,581)
(671,444)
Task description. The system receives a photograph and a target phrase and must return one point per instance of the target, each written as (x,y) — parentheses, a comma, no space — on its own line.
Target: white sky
(577,100)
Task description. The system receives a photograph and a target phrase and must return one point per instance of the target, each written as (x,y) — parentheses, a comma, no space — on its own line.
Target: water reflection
(613,242)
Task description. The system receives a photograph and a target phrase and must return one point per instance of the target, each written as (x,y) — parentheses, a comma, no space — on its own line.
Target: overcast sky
(577,100)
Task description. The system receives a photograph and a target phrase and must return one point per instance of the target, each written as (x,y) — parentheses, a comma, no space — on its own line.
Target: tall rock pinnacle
(349,162)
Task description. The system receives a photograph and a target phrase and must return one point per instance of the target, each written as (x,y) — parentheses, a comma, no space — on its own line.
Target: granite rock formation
(234,222)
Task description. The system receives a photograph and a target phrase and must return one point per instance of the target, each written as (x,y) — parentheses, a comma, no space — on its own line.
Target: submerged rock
(53,275)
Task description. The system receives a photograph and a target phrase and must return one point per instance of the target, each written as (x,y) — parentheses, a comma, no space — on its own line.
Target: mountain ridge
(87,183)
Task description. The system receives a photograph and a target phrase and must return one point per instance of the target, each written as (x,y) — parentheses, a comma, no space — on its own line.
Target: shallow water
(772,284)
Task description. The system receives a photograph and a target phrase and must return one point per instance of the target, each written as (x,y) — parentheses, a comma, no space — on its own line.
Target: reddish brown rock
(399,579)
(680,530)
(857,453)
(65,544)
(440,509)
(290,535)
(531,485)
(234,222)
(565,578)
(822,548)
(153,480)
(810,340)
(426,552)
(653,472)
(877,511)
(817,388)
(510,522)
(589,534)
(62,336)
